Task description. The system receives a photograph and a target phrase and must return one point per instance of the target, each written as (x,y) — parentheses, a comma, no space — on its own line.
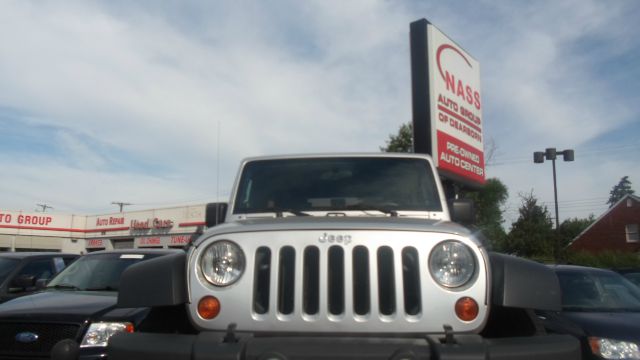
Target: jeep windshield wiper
(279,212)
(64,287)
(282,212)
(371,207)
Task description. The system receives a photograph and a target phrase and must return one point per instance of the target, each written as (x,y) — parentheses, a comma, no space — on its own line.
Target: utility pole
(120,204)
(44,207)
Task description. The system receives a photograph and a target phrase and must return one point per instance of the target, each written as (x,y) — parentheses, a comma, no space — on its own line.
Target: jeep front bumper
(213,345)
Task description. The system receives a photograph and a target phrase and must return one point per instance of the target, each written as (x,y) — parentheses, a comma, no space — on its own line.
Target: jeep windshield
(337,185)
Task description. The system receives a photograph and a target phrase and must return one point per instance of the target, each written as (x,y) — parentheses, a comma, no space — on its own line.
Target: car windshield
(337,184)
(99,272)
(633,277)
(598,291)
(6,265)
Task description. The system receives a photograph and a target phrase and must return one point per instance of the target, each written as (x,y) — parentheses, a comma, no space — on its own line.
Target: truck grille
(48,335)
(371,289)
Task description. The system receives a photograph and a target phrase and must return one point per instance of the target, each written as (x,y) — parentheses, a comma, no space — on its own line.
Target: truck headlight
(614,349)
(100,332)
(222,263)
(452,263)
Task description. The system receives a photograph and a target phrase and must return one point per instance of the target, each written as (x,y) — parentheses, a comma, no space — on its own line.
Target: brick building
(615,230)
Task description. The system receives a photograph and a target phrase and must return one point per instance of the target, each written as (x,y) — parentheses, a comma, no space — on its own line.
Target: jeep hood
(301,223)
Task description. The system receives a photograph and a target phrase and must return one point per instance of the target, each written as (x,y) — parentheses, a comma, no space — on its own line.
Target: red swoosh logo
(439,53)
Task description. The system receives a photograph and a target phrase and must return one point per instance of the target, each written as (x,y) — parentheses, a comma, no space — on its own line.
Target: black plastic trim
(521,283)
(211,345)
(156,282)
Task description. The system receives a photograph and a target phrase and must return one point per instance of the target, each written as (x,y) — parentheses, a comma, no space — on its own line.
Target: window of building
(632,233)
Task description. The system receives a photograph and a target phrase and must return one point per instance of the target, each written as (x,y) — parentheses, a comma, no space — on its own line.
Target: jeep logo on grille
(335,239)
(26,337)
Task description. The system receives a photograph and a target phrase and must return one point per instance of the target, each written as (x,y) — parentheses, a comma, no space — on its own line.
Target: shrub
(605,259)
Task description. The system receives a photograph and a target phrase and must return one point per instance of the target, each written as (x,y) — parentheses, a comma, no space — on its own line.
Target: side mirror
(23,282)
(462,211)
(215,214)
(41,283)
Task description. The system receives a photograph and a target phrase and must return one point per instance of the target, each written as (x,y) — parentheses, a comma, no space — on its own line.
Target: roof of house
(624,198)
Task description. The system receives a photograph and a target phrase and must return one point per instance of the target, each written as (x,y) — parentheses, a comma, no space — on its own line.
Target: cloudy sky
(154,103)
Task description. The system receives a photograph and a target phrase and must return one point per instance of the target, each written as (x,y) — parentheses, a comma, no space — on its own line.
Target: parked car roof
(578,268)
(136,251)
(22,255)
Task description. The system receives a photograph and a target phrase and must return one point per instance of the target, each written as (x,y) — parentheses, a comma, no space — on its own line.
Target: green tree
(620,190)
(402,141)
(489,202)
(569,229)
(531,235)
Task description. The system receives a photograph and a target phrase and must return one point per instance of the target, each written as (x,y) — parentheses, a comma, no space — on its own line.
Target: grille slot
(336,280)
(311,281)
(261,280)
(411,281)
(380,281)
(48,335)
(386,281)
(361,284)
(286,280)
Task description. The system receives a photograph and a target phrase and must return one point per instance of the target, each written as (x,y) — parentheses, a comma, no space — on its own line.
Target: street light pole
(551,154)
(555,193)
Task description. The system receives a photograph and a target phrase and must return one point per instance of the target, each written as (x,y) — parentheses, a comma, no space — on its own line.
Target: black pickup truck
(20,271)
(76,313)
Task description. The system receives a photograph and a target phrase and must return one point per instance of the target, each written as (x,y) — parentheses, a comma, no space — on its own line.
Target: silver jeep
(342,256)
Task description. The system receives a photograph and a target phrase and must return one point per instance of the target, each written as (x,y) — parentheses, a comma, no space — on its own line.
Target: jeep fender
(155,282)
(521,283)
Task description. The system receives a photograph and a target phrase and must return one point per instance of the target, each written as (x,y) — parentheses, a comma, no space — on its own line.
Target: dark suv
(19,271)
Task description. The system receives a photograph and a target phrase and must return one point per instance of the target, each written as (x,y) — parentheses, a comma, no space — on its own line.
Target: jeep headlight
(452,263)
(100,332)
(614,349)
(222,263)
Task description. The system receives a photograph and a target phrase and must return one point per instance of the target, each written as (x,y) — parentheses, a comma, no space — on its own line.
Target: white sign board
(456,109)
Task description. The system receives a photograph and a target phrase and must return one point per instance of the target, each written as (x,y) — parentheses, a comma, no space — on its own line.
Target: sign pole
(420,88)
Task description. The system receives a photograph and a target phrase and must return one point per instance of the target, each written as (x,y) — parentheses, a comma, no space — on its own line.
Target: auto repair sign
(456,109)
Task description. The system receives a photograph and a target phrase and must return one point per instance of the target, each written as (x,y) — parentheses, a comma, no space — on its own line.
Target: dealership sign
(447,104)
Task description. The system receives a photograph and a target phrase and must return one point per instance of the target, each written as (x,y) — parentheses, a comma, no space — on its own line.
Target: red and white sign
(21,221)
(96,243)
(456,109)
(154,223)
(26,219)
(109,221)
(162,240)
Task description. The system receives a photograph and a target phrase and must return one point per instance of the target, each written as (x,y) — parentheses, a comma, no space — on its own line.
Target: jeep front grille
(371,290)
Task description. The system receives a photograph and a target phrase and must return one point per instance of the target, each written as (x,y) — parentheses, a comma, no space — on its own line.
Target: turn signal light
(129,328)
(467,309)
(208,307)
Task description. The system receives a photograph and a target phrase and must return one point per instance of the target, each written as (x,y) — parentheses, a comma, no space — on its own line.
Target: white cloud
(135,92)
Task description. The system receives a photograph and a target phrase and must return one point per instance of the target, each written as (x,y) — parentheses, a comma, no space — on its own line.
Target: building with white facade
(171,227)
